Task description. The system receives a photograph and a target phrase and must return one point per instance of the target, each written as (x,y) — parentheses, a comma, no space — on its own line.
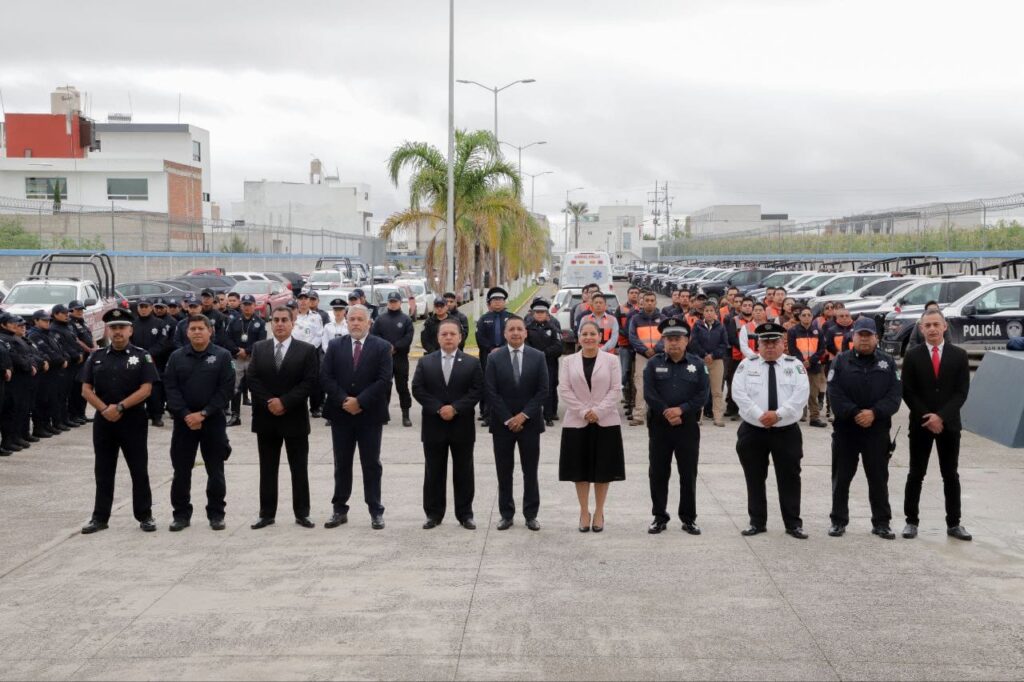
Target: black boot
(405,417)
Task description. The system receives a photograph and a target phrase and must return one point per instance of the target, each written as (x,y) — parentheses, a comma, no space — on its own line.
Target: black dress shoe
(25,445)
(405,418)
(31,439)
(504,524)
(884,532)
(71,424)
(657,527)
(377,522)
(836,530)
(336,520)
(217,524)
(691,528)
(148,525)
(81,421)
(11,447)
(818,423)
(316,414)
(305,522)
(959,532)
(753,530)
(431,523)
(533,524)
(485,423)
(179,525)
(468,524)
(93,526)
(263,522)
(549,422)
(158,422)
(797,532)
(234,421)
(246,401)
(910,531)
(60,428)
(38,433)
(555,418)
(4,452)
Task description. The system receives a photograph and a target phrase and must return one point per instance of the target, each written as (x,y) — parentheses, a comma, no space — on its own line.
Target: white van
(580,268)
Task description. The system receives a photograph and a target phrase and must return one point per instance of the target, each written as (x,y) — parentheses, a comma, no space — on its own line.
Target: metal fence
(43,225)
(975,225)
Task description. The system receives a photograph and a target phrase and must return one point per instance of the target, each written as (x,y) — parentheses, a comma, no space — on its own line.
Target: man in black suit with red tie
(936,379)
(516,381)
(281,374)
(356,374)
(448,384)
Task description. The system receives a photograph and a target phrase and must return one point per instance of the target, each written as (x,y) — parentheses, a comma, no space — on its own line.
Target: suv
(43,290)
(878,289)
(839,284)
(744,279)
(898,323)
(986,318)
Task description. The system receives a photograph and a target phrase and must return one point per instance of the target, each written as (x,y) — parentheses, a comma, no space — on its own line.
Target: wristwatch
(120,408)
(204,413)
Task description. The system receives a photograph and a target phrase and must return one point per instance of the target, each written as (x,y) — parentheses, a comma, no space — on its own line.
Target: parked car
(268,294)
(748,278)
(986,318)
(619,272)
(423,296)
(293,278)
(203,271)
(196,283)
(897,318)
(325,280)
(152,289)
(242,276)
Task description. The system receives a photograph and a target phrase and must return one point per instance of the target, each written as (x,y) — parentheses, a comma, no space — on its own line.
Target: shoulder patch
(831,373)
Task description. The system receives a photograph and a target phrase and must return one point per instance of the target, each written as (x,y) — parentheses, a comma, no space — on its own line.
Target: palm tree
(490,220)
(577,211)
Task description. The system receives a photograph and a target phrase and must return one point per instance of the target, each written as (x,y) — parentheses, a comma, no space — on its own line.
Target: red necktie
(356,353)
(935,360)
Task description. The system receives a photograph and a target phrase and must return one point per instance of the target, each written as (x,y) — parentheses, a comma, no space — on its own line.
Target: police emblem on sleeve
(831,373)
(133,360)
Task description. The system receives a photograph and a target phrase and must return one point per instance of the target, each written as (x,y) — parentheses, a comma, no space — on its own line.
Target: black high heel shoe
(596,528)
(584,529)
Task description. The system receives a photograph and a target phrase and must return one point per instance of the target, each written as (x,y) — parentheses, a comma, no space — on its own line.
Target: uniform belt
(788,427)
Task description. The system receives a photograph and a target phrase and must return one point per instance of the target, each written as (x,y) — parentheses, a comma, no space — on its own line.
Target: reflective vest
(723,313)
(771,311)
(737,354)
(692,319)
(838,336)
(605,323)
(648,335)
(807,345)
(623,314)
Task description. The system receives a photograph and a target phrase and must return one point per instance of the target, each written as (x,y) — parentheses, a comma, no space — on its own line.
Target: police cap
(496,292)
(303,294)
(769,331)
(172,303)
(394,296)
(358,292)
(117,317)
(864,324)
(159,303)
(248,298)
(540,304)
(8,318)
(339,303)
(207,292)
(674,326)
(438,302)
(41,315)
(313,294)
(76,305)
(59,308)
(144,301)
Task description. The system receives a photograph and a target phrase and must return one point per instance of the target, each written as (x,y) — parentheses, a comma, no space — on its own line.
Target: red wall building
(45,136)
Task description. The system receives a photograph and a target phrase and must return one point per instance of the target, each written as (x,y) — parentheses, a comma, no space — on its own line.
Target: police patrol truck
(988,317)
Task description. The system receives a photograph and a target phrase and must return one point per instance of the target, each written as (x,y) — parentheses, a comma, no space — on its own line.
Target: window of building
(128,189)
(197,150)
(206,196)
(627,241)
(43,188)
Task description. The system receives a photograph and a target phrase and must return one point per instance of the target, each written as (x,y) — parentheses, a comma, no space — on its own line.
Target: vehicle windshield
(321,276)
(417,289)
(43,295)
(814,281)
(253,286)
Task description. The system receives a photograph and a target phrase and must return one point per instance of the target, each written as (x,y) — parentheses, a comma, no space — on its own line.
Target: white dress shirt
(750,389)
(333,330)
(940,347)
(309,328)
(286,345)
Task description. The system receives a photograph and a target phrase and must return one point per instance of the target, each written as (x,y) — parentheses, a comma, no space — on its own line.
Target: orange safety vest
(737,354)
(723,313)
(837,341)
(623,314)
(648,335)
(808,345)
(605,324)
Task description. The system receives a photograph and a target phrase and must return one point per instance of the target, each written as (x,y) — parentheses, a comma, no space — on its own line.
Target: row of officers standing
(512,380)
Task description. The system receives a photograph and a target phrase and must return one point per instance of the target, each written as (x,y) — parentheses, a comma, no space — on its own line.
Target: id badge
(245,337)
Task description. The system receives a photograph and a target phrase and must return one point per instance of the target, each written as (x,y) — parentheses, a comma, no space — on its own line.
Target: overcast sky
(809,107)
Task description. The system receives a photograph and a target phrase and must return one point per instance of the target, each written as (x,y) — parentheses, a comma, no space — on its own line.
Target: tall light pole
(449,242)
(520,148)
(496,90)
(533,177)
(566,211)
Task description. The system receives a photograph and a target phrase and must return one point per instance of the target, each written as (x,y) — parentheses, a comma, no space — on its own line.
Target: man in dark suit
(936,379)
(516,381)
(448,384)
(356,374)
(281,374)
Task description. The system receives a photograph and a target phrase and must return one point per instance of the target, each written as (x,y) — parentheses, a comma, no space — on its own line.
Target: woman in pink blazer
(590,388)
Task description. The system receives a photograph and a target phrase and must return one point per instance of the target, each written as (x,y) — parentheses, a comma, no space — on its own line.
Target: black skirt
(592,454)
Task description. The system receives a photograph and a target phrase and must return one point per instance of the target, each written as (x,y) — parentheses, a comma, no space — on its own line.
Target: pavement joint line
(775,584)
(476,581)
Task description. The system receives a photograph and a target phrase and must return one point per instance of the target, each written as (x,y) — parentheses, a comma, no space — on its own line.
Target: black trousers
(42,408)
(62,389)
(485,411)
(127,435)
(948,445)
(871,445)
(15,399)
(755,445)
(505,443)
(316,397)
(28,406)
(212,441)
(155,401)
(345,436)
(435,479)
(401,376)
(269,447)
(76,403)
(665,443)
(551,402)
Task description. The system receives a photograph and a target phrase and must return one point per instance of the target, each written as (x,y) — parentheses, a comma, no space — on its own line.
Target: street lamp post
(534,176)
(449,247)
(520,148)
(496,90)
(566,211)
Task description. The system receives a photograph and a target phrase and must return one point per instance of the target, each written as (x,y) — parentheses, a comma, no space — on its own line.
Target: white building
(329,205)
(725,218)
(615,229)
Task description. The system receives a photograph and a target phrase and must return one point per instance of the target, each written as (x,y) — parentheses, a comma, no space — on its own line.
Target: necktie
(497,331)
(516,373)
(446,368)
(279,355)
(773,389)
(935,360)
(356,352)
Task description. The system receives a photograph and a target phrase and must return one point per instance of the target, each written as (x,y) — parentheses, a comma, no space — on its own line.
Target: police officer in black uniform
(6,371)
(676,387)
(192,307)
(174,311)
(396,328)
(233,308)
(149,333)
(199,380)
(771,392)
(244,330)
(490,335)
(19,388)
(46,379)
(76,312)
(452,301)
(220,321)
(61,327)
(161,311)
(360,299)
(117,380)
(542,333)
(865,393)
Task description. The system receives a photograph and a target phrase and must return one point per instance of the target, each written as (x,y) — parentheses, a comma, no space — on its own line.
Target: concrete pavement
(289,603)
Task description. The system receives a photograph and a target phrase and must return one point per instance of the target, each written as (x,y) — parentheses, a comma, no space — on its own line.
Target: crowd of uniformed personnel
(768,362)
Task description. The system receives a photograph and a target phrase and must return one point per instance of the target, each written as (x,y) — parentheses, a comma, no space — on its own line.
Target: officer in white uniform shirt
(771,391)
(339,327)
(309,327)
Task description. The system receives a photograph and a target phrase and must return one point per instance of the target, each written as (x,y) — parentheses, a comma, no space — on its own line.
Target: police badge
(691,369)
(210,360)
(883,364)
(133,360)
